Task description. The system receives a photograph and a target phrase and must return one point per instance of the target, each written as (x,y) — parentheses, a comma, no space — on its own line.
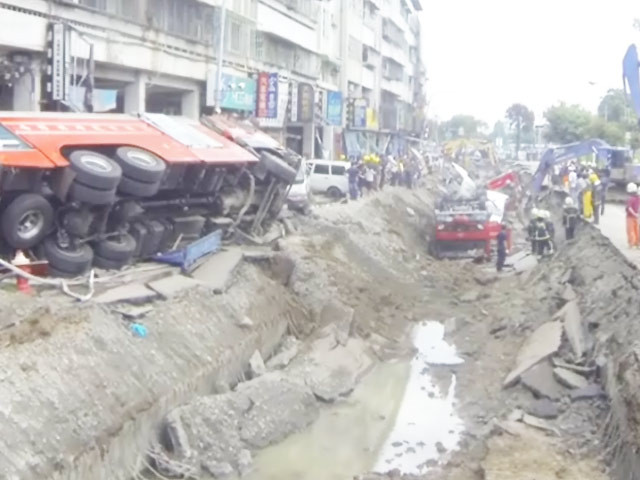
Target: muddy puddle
(396,418)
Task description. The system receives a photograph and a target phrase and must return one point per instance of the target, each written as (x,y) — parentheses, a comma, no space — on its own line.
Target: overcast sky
(484,55)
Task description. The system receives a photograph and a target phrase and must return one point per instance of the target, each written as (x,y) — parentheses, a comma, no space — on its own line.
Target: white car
(299,197)
(329,177)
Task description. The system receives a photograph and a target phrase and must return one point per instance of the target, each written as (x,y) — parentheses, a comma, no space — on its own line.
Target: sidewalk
(613,226)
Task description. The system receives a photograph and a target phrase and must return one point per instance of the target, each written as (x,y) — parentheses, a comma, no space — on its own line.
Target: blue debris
(139,330)
(186,257)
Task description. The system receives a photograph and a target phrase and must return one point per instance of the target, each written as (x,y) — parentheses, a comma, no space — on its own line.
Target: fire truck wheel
(27,220)
(81,193)
(135,188)
(95,170)
(278,167)
(53,272)
(140,165)
(72,261)
(119,248)
(106,264)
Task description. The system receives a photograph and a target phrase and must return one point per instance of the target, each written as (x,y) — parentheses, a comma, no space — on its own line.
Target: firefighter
(531,231)
(542,235)
(503,240)
(570,216)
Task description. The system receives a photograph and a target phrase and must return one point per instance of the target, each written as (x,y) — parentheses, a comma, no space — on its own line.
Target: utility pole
(223,27)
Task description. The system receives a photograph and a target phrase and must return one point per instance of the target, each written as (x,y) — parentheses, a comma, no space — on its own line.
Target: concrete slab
(588,392)
(170,286)
(539,423)
(543,408)
(132,293)
(570,379)
(216,272)
(573,327)
(585,371)
(542,343)
(527,263)
(541,382)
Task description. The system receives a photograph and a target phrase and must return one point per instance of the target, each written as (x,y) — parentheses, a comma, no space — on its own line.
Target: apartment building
(297,66)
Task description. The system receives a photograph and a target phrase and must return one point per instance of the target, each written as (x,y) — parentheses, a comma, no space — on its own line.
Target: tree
(567,123)
(522,119)
(614,107)
(462,126)
(611,132)
(499,131)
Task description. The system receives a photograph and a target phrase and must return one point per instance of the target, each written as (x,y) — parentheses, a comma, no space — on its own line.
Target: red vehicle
(464,230)
(93,189)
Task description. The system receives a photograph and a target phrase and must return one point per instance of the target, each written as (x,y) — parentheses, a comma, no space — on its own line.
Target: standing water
(394,419)
(426,421)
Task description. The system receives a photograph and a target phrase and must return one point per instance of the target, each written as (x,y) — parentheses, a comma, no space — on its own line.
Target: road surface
(613,226)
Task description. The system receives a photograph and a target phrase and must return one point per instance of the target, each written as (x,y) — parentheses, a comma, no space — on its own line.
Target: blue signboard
(238,93)
(360,112)
(334,108)
(272,96)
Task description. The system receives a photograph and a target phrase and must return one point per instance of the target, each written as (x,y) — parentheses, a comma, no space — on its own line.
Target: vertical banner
(334,108)
(272,96)
(293,115)
(57,61)
(263,87)
(306,102)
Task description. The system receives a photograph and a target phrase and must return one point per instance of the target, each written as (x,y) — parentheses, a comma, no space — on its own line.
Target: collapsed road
(247,374)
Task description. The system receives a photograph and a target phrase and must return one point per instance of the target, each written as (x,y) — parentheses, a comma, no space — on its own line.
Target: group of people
(372,172)
(587,190)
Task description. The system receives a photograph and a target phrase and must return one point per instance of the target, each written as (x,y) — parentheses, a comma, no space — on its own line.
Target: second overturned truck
(90,189)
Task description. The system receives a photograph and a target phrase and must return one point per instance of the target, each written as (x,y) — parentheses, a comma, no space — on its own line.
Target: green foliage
(614,107)
(462,126)
(610,132)
(499,131)
(522,119)
(567,123)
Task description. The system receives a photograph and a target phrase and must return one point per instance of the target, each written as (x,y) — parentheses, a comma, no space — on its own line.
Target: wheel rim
(97,164)
(142,160)
(30,224)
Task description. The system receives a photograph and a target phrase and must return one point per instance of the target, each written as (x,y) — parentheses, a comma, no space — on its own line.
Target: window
(338,170)
(321,169)
(235,40)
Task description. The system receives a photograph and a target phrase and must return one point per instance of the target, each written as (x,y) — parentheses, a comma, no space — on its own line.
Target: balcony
(273,19)
(306,8)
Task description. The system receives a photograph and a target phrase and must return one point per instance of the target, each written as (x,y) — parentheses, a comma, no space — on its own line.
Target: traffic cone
(22,262)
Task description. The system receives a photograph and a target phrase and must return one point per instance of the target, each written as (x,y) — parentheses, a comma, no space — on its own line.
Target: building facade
(322,76)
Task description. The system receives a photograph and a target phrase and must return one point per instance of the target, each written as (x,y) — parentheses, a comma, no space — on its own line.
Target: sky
(484,55)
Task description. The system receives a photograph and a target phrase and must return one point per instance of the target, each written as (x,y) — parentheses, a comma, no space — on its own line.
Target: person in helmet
(541,234)
(633,209)
(531,231)
(570,216)
(596,196)
(502,247)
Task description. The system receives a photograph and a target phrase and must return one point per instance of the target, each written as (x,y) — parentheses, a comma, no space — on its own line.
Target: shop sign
(306,102)
(372,118)
(334,108)
(263,87)
(360,112)
(272,96)
(238,93)
(293,114)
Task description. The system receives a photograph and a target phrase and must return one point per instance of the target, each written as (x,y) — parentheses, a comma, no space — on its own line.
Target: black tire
(54,272)
(140,165)
(107,264)
(334,192)
(27,220)
(118,248)
(81,193)
(277,167)
(136,188)
(75,261)
(95,170)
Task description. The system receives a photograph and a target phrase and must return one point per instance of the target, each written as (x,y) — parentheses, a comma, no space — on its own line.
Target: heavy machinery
(469,220)
(462,150)
(93,189)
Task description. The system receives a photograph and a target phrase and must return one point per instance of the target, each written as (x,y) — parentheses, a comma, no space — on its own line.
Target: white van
(329,177)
